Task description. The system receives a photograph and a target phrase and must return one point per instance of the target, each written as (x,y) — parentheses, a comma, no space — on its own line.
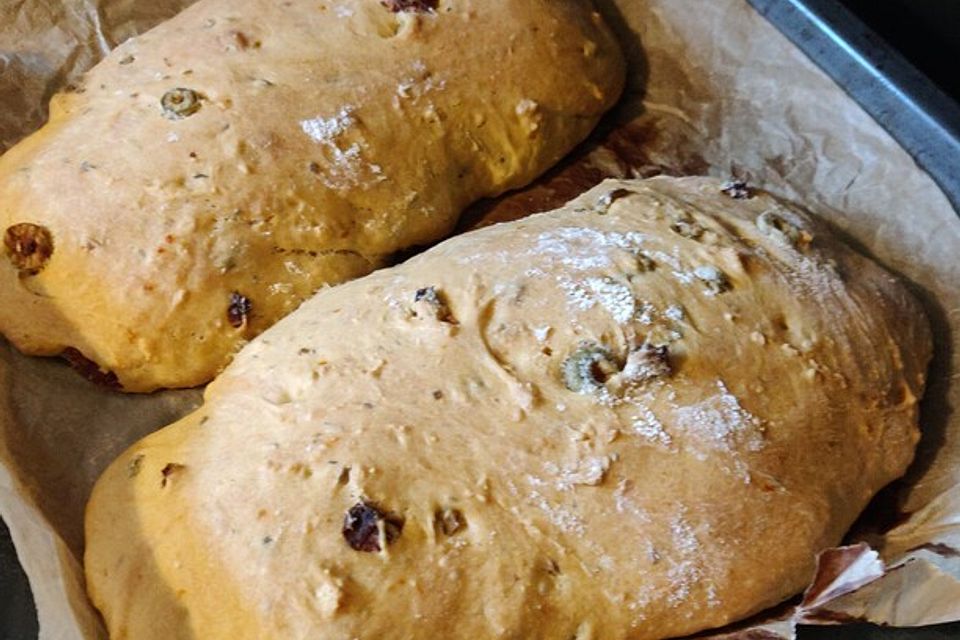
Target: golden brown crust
(265,149)
(635,417)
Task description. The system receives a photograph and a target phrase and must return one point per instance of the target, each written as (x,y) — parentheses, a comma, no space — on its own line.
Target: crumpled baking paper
(714,89)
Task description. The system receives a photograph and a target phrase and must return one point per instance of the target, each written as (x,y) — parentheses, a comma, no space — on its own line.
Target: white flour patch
(721,421)
(344,167)
(583,249)
(646,313)
(673,261)
(589,471)
(327,130)
(578,296)
(684,572)
(646,425)
(542,333)
(580,250)
(614,296)
(560,516)
(674,313)
(418,84)
(625,503)
(534,481)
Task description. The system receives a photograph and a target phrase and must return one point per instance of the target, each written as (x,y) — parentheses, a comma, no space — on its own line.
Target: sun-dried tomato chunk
(418,6)
(29,247)
(363,531)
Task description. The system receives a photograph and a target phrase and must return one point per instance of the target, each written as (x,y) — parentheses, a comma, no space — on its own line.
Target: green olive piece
(588,368)
(180,103)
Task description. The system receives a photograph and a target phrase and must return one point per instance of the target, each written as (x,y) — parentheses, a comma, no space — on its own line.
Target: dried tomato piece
(238,313)
(362,527)
(418,6)
(90,369)
(29,247)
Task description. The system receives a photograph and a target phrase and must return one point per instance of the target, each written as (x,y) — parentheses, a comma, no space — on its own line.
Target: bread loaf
(208,176)
(638,416)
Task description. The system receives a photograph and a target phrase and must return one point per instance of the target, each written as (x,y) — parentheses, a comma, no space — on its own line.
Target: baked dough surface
(211,174)
(638,416)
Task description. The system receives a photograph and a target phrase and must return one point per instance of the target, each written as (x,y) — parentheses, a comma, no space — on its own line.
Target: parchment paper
(714,88)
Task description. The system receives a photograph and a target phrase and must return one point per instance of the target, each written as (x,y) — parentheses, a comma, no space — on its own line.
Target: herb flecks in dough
(779,229)
(239,310)
(418,6)
(180,103)
(736,189)
(429,302)
(134,466)
(29,246)
(588,368)
(714,280)
(368,528)
(449,521)
(90,369)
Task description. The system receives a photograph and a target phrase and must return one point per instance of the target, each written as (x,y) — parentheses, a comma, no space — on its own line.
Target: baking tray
(918,115)
(923,119)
